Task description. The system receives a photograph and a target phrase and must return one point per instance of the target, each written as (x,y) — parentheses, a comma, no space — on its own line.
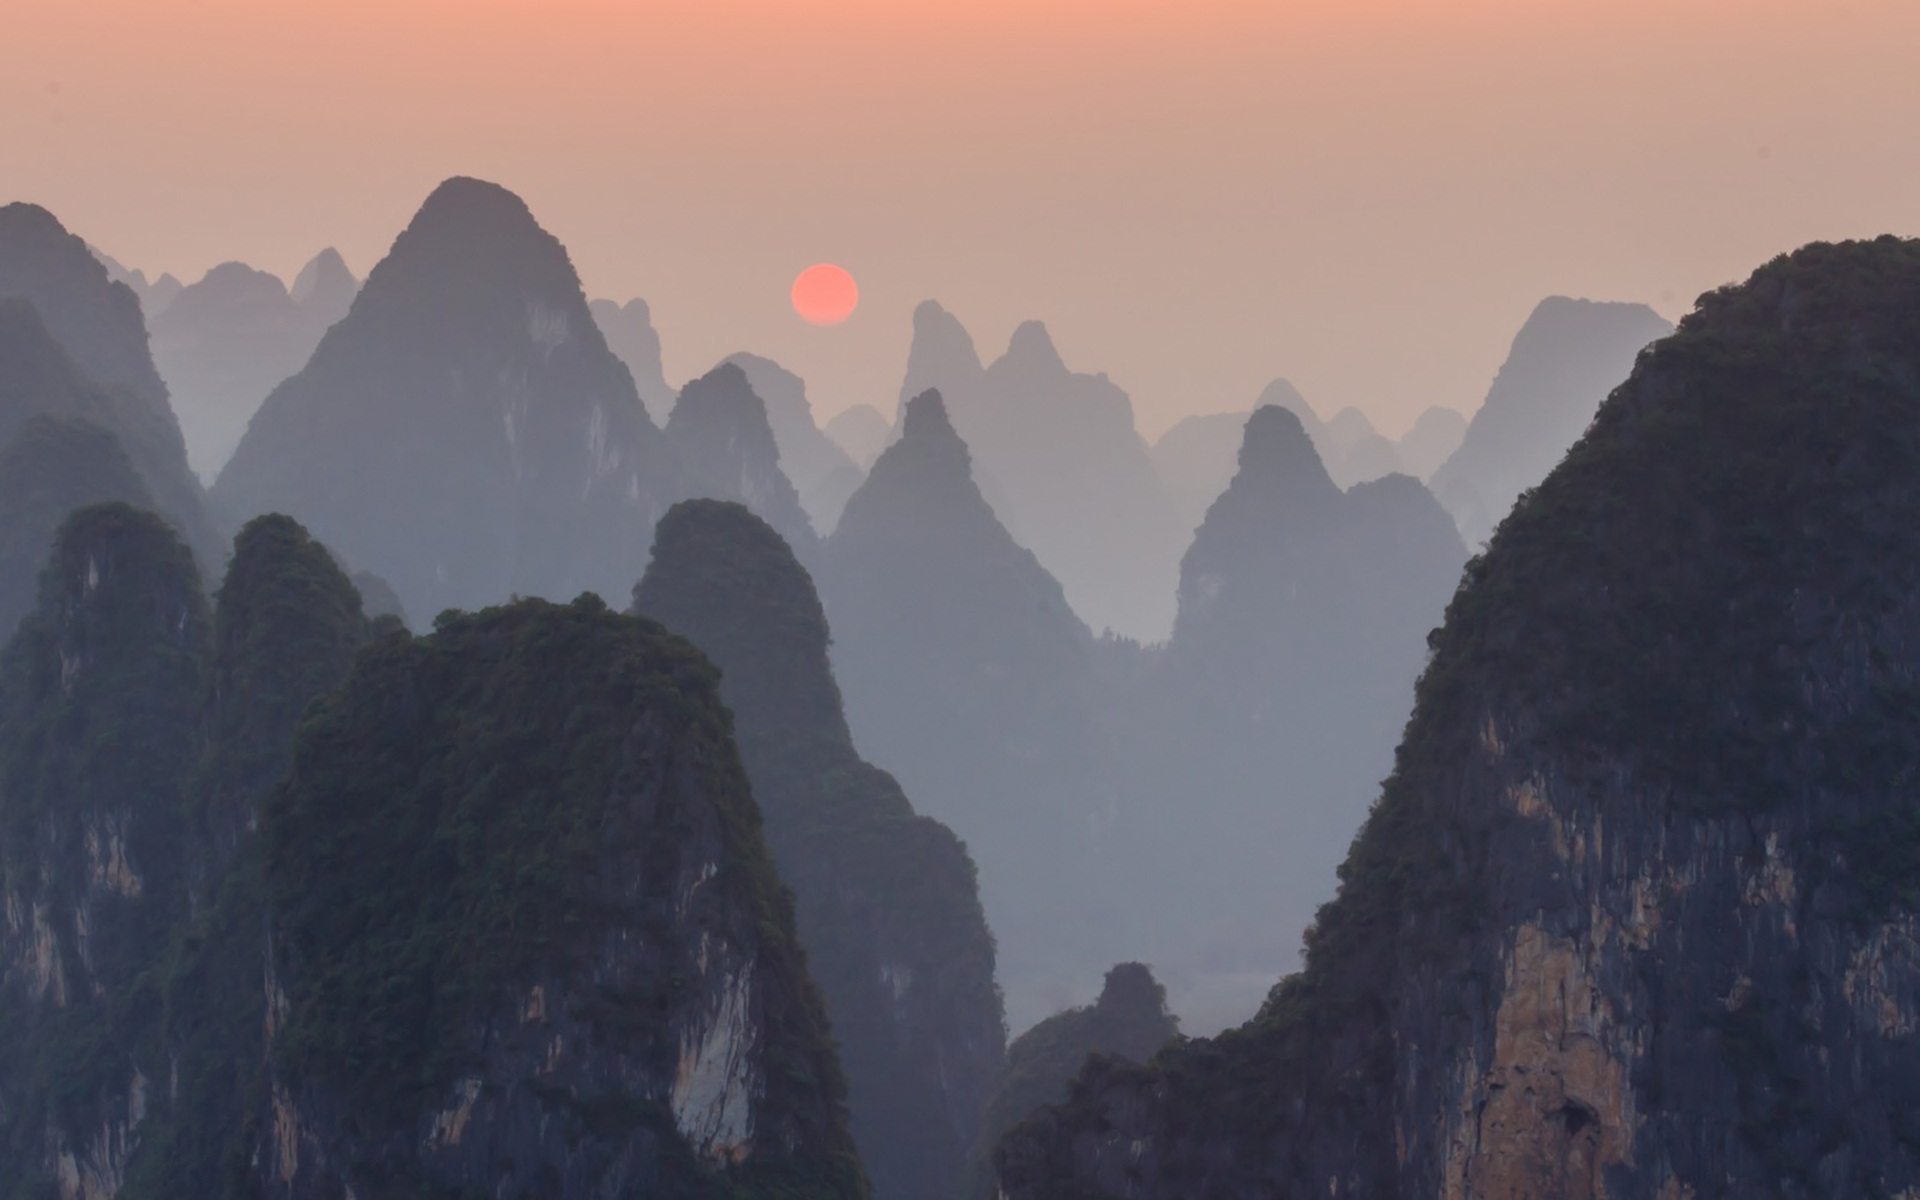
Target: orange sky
(1197,196)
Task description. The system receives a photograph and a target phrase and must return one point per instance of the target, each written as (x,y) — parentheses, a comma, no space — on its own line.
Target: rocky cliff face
(630,334)
(888,910)
(1635,914)
(968,676)
(96,323)
(526,938)
(464,432)
(100,695)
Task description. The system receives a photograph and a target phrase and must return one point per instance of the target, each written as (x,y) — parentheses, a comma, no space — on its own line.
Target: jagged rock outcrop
(629,331)
(968,677)
(100,693)
(887,906)
(51,467)
(726,450)
(464,432)
(96,323)
(229,339)
(1562,364)
(1129,1021)
(823,473)
(1066,471)
(526,936)
(1635,914)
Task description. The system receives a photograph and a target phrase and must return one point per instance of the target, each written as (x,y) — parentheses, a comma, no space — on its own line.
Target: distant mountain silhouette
(720,433)
(824,474)
(50,467)
(1274,708)
(969,677)
(629,331)
(1564,361)
(98,324)
(1434,436)
(861,431)
(229,339)
(38,377)
(886,902)
(1195,460)
(154,295)
(1066,471)
(464,431)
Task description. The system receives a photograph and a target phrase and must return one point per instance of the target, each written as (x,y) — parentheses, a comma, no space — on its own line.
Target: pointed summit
(1031,349)
(1277,453)
(629,331)
(943,354)
(821,471)
(324,289)
(464,431)
(720,432)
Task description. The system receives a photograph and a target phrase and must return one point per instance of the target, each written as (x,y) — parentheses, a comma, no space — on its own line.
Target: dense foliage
(51,467)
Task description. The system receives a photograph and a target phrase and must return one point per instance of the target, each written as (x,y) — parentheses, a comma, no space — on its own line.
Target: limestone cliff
(526,938)
(1635,914)
(889,911)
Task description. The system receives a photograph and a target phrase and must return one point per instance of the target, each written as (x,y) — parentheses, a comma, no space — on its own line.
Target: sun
(824,294)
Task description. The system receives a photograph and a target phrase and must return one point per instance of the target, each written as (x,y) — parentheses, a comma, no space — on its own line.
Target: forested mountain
(1564,360)
(887,905)
(969,678)
(1634,915)
(52,466)
(464,431)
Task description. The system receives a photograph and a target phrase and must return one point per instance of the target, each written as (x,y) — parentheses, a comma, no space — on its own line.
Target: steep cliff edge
(100,693)
(888,908)
(1636,913)
(527,939)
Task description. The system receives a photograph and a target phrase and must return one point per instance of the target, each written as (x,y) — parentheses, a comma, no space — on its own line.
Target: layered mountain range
(1635,913)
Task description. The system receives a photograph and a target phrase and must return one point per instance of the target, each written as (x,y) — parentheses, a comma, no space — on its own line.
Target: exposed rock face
(1069,476)
(629,331)
(97,324)
(726,449)
(100,693)
(968,676)
(1635,914)
(1563,362)
(887,906)
(563,776)
(464,432)
(231,338)
(823,473)
(52,466)
(1129,1021)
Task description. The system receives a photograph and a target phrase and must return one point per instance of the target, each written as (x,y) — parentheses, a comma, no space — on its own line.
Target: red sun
(825,294)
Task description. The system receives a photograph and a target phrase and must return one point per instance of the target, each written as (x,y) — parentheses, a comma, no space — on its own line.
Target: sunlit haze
(1366,197)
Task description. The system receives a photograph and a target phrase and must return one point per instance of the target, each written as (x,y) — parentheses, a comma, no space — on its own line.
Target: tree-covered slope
(887,905)
(1636,913)
(100,692)
(527,938)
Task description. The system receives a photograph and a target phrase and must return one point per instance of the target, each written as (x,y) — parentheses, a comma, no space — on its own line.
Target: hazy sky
(1196,195)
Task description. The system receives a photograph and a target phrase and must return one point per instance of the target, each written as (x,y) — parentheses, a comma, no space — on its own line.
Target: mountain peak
(926,419)
(1276,447)
(726,441)
(325,285)
(942,355)
(1032,347)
